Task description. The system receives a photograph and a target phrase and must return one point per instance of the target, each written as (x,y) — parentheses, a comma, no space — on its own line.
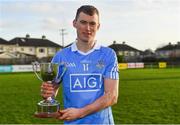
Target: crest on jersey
(100,64)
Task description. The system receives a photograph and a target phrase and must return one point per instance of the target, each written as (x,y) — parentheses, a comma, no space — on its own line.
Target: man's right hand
(47,90)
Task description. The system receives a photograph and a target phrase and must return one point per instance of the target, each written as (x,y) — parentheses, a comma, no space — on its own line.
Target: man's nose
(88,27)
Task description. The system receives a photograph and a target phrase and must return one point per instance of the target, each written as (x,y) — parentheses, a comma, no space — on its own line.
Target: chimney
(114,42)
(124,42)
(27,36)
(178,42)
(43,37)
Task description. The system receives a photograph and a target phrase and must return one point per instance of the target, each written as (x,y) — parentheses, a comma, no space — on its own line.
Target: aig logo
(85,82)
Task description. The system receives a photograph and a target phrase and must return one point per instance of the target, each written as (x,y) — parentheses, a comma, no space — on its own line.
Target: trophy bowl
(52,74)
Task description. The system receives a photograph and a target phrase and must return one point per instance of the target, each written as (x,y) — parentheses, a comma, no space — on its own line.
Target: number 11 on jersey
(86,67)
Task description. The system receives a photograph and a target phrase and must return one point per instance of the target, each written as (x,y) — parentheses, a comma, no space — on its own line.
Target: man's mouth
(87,33)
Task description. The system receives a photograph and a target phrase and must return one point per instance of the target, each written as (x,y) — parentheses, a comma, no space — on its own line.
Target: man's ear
(98,26)
(74,23)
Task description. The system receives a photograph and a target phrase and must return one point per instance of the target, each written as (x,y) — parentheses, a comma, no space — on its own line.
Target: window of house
(52,50)
(41,50)
(120,53)
(22,49)
(126,53)
(10,48)
(1,48)
(131,53)
(30,49)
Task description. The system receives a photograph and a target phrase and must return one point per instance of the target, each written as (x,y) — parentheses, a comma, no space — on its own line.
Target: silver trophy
(51,73)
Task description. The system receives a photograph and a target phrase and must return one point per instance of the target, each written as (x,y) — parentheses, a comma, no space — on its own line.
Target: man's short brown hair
(87,9)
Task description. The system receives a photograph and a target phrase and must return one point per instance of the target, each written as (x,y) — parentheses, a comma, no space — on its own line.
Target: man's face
(86,27)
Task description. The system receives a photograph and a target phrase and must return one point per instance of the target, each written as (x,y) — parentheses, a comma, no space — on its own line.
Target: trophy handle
(59,76)
(35,67)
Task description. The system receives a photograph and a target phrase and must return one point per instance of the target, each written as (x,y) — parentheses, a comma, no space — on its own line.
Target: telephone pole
(62,33)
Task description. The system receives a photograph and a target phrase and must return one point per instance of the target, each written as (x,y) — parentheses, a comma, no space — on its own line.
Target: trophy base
(45,115)
(47,109)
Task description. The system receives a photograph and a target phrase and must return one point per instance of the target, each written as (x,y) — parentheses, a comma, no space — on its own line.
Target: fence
(23,61)
(149,65)
(156,65)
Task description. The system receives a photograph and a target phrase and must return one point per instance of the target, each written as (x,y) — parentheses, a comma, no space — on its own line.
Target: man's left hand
(69,114)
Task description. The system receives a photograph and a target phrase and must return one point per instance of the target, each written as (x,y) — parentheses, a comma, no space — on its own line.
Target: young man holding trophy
(90,82)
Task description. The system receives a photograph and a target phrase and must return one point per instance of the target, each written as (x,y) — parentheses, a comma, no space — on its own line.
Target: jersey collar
(74,48)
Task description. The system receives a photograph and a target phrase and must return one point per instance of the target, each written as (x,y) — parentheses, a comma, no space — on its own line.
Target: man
(90,83)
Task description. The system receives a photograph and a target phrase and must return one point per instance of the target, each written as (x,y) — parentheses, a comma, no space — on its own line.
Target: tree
(120,58)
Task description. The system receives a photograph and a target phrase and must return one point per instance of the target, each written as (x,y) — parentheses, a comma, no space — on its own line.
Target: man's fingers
(64,116)
(47,85)
(46,88)
(64,110)
(67,114)
(57,115)
(47,92)
(46,95)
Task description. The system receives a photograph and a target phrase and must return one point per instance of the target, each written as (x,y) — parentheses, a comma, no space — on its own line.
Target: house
(4,45)
(148,56)
(25,46)
(168,51)
(129,53)
(4,49)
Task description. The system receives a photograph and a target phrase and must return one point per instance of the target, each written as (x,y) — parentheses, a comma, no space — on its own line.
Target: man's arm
(109,98)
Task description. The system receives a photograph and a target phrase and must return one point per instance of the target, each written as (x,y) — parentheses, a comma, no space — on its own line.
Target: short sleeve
(111,69)
(56,58)
(61,70)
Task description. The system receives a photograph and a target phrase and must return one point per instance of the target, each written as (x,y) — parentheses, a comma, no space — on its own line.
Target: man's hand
(47,90)
(70,114)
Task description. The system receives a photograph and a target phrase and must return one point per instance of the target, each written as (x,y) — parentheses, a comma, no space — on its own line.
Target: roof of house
(169,47)
(23,41)
(122,47)
(3,41)
(68,45)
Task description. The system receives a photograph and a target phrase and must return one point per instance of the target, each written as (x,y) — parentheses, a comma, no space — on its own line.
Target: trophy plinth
(46,109)
(52,74)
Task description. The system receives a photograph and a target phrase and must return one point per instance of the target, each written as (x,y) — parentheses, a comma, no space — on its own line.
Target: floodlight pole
(62,33)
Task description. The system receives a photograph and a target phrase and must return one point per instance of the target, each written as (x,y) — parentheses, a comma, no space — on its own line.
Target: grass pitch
(149,96)
(145,96)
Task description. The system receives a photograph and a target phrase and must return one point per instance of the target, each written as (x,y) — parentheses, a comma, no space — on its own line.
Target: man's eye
(92,23)
(83,22)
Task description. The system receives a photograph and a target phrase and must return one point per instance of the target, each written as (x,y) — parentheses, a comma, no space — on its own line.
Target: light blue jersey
(83,81)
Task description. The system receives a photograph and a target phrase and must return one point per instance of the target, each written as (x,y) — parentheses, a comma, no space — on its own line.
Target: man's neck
(85,46)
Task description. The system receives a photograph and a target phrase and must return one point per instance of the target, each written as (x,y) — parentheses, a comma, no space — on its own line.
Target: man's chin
(87,40)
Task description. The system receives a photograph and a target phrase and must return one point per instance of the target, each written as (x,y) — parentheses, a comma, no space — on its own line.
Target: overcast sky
(142,24)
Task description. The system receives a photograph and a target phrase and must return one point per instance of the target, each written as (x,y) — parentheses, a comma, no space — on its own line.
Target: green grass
(19,94)
(149,96)
(145,96)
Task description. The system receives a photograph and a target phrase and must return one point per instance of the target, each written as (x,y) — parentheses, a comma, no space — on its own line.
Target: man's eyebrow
(83,21)
(91,22)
